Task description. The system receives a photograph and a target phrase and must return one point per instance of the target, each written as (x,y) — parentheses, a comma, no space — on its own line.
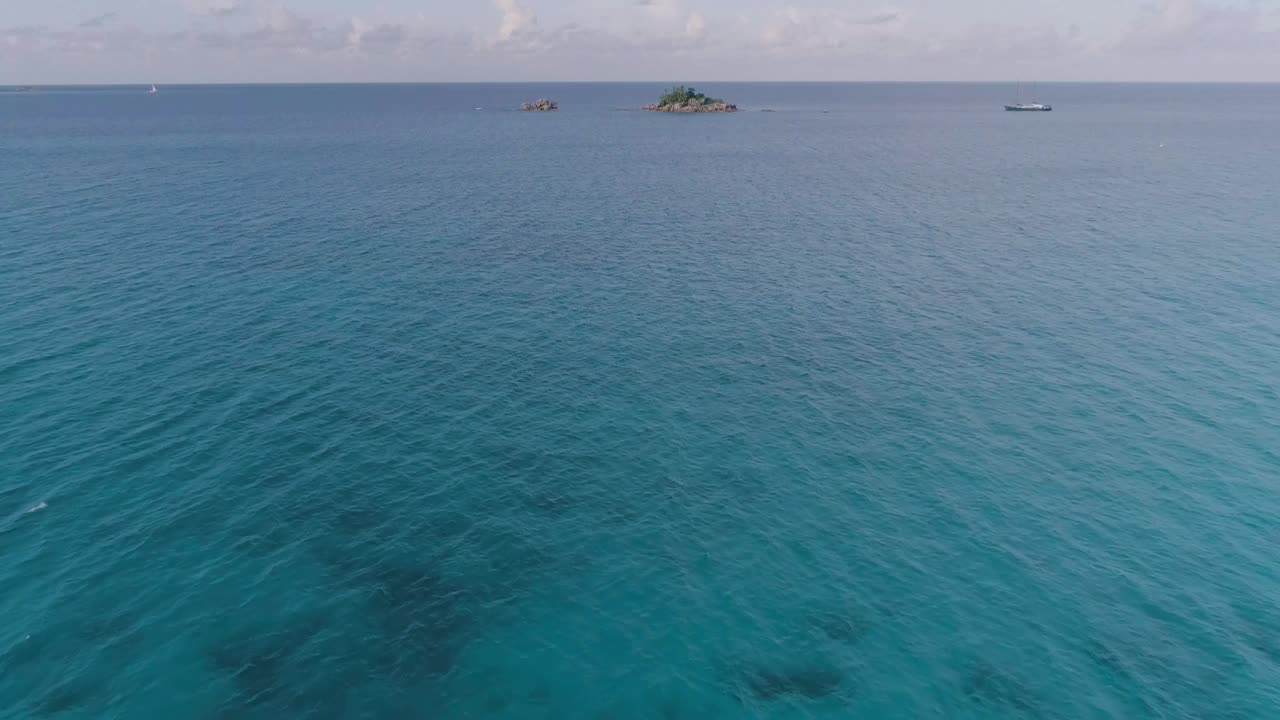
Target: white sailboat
(153,90)
(1027,107)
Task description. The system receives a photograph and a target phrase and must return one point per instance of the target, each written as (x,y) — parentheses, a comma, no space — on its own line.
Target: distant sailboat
(1027,107)
(153,90)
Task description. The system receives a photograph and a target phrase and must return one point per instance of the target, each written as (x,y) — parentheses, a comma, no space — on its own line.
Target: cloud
(283,29)
(666,25)
(644,39)
(1012,44)
(99,20)
(218,8)
(78,42)
(288,29)
(518,23)
(901,35)
(362,38)
(695,26)
(520,32)
(665,9)
(22,37)
(883,18)
(1176,26)
(799,29)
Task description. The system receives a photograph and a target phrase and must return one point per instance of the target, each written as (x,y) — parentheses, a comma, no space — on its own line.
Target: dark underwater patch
(264,541)
(539,695)
(620,515)
(552,502)
(1257,623)
(357,520)
(423,618)
(27,651)
(1268,647)
(416,654)
(1112,665)
(514,461)
(987,685)
(256,660)
(418,591)
(104,628)
(409,589)
(67,695)
(512,564)
(841,627)
(117,635)
(811,683)
(202,519)
(1106,659)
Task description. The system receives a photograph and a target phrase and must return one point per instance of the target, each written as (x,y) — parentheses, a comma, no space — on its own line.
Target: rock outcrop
(541,105)
(693,106)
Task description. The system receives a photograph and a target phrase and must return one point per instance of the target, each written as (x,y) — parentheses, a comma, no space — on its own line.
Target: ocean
(389,401)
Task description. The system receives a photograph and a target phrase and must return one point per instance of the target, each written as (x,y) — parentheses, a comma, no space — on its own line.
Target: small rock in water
(540,105)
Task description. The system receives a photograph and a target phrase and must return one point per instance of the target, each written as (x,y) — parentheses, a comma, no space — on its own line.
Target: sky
(180,41)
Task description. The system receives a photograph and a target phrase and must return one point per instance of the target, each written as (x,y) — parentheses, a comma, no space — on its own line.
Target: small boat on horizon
(1027,107)
(25,88)
(153,90)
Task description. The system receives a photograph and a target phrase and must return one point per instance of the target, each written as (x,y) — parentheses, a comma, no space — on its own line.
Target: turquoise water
(357,402)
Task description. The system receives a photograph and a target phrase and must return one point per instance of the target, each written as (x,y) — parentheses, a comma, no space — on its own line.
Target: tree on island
(680,95)
(681,99)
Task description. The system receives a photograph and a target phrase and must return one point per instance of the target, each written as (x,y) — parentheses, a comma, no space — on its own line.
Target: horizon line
(634,82)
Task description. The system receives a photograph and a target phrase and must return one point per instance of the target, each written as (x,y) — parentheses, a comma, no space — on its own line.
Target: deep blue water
(357,402)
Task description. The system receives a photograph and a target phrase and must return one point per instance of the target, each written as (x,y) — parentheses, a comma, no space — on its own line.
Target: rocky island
(687,100)
(540,105)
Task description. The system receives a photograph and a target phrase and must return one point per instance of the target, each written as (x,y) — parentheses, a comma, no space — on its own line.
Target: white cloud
(666,25)
(695,26)
(799,29)
(217,8)
(646,39)
(288,29)
(357,29)
(1013,44)
(99,20)
(518,22)
(662,9)
(1195,25)
(363,38)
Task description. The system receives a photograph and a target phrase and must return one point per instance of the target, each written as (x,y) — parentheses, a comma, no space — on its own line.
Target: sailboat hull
(1028,108)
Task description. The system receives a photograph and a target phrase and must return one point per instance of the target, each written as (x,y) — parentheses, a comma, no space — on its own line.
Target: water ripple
(345,404)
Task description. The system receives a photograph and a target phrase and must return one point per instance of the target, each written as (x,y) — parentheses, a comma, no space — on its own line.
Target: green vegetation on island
(681,94)
(683,99)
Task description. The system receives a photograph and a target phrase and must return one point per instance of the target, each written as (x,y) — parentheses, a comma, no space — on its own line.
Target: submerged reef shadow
(809,682)
(844,627)
(987,685)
